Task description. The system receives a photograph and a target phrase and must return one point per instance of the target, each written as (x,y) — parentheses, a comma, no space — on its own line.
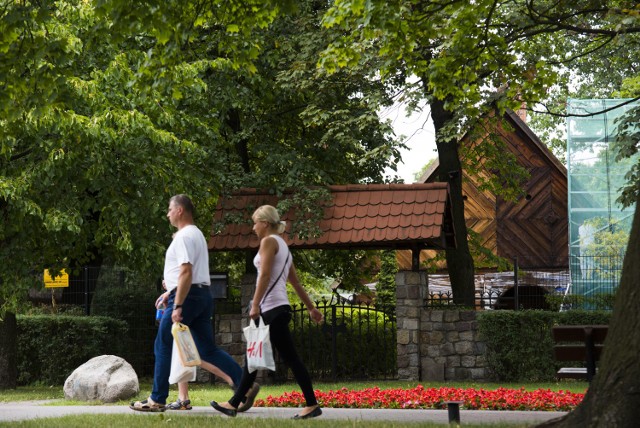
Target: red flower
(434,398)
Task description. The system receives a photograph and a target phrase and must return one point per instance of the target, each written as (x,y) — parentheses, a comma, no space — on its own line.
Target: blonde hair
(270,215)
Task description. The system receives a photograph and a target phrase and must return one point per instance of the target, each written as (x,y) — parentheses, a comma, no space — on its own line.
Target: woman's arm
(268,249)
(314,313)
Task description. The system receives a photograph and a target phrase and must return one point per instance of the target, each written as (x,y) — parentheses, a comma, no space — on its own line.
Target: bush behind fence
(354,342)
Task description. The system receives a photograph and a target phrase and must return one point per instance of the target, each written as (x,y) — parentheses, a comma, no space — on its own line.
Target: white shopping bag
(186,346)
(180,373)
(259,350)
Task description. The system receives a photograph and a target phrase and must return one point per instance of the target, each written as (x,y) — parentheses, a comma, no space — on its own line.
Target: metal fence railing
(591,283)
(354,342)
(595,274)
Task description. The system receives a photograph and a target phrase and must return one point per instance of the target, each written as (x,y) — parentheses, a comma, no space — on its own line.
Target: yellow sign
(61,280)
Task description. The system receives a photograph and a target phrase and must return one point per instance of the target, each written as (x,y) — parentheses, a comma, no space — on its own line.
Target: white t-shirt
(188,246)
(277,296)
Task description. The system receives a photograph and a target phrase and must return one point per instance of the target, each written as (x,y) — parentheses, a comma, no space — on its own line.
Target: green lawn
(163,419)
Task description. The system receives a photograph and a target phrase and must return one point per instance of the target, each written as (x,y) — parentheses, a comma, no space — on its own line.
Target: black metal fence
(592,275)
(354,342)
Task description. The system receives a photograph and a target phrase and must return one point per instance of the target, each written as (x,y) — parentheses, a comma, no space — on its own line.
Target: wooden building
(534,228)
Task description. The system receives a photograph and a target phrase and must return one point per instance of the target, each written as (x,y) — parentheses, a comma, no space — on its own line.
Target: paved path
(16,411)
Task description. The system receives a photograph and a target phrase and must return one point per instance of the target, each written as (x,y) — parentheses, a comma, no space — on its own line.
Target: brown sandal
(180,405)
(147,405)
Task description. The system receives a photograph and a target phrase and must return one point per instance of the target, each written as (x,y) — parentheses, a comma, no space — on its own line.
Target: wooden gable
(534,228)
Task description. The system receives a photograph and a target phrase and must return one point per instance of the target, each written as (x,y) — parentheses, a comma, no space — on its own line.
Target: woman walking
(275,266)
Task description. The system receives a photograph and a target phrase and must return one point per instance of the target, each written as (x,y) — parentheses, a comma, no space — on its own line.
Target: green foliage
(418,175)
(52,347)
(347,267)
(111,108)
(483,257)
(519,345)
(597,301)
(133,304)
(490,164)
(315,287)
(626,146)
(609,240)
(386,288)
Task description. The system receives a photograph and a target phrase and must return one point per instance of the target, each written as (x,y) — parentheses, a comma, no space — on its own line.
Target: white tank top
(280,270)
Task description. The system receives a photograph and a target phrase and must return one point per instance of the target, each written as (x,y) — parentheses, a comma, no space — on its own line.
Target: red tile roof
(399,216)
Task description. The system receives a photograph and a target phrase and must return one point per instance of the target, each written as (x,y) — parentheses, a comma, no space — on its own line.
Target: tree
(540,39)
(472,58)
(611,399)
(107,111)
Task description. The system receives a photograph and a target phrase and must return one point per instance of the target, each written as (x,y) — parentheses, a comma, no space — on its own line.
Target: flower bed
(434,398)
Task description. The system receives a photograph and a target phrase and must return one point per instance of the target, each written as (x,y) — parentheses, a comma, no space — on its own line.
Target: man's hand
(176,315)
(163,300)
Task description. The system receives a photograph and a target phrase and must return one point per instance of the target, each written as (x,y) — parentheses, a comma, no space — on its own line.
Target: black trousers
(278,320)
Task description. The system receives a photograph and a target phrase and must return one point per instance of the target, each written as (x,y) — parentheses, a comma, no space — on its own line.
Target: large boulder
(107,378)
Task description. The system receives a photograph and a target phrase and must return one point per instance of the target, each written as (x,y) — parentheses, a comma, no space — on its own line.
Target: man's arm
(184,285)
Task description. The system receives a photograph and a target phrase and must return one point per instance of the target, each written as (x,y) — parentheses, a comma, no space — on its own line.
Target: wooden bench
(578,343)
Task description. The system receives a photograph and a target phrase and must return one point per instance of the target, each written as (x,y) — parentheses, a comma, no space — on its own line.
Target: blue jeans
(197,310)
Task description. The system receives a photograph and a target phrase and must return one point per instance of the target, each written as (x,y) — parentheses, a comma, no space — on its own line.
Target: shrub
(51,347)
(134,306)
(358,334)
(519,344)
(597,301)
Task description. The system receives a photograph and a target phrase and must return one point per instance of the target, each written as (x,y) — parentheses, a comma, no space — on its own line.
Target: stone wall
(435,345)
(450,349)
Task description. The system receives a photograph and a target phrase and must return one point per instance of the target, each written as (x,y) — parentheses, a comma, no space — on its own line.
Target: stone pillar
(411,290)
(229,335)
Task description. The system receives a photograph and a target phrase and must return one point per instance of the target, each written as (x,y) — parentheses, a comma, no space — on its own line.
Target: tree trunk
(8,351)
(613,398)
(459,261)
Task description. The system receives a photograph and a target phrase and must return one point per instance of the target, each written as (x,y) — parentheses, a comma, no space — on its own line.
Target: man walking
(186,273)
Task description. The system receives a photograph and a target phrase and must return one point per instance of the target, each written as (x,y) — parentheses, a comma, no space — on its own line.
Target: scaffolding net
(598,224)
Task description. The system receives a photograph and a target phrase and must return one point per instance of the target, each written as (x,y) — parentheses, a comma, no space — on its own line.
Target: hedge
(51,347)
(134,306)
(519,345)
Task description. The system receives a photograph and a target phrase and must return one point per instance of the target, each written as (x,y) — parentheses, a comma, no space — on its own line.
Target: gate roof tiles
(375,216)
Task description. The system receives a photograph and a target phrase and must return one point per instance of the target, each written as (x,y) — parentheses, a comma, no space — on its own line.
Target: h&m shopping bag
(186,346)
(180,373)
(259,350)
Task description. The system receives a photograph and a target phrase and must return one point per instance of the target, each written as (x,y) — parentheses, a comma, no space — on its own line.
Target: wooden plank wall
(533,228)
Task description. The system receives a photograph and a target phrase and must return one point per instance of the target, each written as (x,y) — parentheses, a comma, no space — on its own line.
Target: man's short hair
(185,202)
